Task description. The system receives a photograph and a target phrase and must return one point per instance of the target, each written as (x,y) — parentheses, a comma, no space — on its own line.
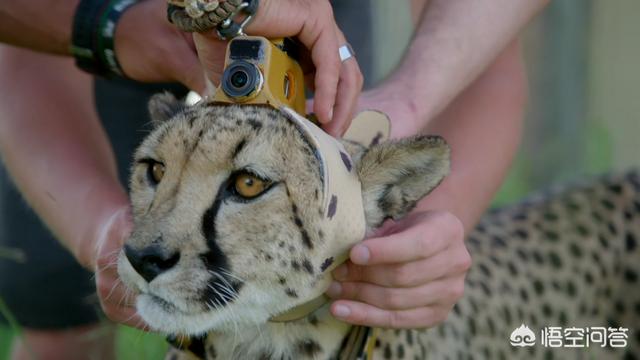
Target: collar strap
(305,309)
(302,310)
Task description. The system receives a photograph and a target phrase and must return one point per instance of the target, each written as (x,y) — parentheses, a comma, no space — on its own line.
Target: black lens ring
(254,79)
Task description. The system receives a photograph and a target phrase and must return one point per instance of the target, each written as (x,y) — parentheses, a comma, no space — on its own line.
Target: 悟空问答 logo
(522,336)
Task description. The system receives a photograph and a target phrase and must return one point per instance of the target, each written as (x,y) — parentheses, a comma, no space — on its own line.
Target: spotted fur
(567,259)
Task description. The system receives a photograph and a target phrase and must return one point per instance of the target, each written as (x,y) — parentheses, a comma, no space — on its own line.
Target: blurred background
(582,114)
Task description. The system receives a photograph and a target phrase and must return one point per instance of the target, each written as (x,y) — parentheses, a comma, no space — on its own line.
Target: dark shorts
(49,289)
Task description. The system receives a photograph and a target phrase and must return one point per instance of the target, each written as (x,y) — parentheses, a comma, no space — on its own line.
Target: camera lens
(241,80)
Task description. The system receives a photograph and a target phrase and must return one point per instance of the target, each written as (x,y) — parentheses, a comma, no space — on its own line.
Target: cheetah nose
(151,261)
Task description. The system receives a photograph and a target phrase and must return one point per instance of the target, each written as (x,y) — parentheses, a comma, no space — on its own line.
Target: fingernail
(331,114)
(360,254)
(334,290)
(341,272)
(342,311)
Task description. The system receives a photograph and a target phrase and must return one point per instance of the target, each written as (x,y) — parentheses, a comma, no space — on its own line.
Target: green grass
(5,339)
(131,344)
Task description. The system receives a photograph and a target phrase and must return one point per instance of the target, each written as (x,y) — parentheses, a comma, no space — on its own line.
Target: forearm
(55,148)
(42,25)
(453,43)
(482,126)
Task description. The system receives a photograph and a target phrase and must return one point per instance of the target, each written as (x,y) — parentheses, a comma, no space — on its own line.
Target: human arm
(56,151)
(150,49)
(454,42)
(482,126)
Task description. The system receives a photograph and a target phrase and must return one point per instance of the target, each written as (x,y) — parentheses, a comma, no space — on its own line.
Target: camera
(262,71)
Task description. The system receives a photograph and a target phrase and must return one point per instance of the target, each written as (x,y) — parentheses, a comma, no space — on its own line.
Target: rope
(200,15)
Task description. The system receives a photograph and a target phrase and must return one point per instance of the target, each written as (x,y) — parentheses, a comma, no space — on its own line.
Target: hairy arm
(61,160)
(56,150)
(455,41)
(43,25)
(482,126)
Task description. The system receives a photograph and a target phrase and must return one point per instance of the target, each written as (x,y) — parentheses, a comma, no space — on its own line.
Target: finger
(191,74)
(452,261)
(444,292)
(117,303)
(319,37)
(309,106)
(349,88)
(419,241)
(118,295)
(211,55)
(127,316)
(358,313)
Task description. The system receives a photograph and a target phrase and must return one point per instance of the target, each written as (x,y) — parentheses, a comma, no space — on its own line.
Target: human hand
(151,49)
(337,84)
(391,99)
(410,277)
(116,300)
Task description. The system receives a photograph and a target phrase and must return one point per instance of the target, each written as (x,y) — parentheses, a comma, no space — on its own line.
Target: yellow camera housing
(262,71)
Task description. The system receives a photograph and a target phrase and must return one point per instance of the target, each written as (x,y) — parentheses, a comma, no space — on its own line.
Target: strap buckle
(229,29)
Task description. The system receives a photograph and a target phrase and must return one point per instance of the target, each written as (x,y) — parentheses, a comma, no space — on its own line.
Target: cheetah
(232,227)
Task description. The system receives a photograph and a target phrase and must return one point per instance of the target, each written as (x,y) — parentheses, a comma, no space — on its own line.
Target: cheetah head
(231,217)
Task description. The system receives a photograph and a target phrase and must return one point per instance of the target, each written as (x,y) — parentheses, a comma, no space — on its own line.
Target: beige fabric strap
(367,128)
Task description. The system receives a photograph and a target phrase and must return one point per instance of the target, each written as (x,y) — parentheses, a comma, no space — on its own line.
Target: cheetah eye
(155,172)
(249,186)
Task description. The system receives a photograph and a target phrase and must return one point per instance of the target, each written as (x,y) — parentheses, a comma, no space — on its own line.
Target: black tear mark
(214,258)
(376,139)
(326,263)
(333,206)
(346,160)
(291,293)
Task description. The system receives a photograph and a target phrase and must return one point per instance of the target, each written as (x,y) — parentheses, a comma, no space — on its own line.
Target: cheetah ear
(395,175)
(163,107)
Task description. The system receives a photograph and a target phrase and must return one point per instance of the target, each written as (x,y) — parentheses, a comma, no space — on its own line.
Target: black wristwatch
(92,42)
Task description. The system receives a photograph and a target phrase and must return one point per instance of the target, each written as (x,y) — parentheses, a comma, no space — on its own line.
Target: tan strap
(301,311)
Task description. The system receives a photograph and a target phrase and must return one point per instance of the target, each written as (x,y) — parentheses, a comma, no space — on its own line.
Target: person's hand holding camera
(336,84)
(151,49)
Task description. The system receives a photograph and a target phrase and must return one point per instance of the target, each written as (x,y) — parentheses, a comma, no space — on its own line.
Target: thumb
(211,52)
(191,74)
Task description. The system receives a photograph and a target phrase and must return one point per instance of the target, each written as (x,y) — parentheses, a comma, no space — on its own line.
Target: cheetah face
(228,213)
